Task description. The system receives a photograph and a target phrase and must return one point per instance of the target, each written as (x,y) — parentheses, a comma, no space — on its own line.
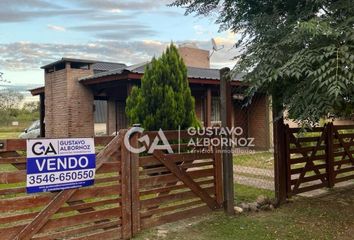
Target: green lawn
(327,217)
(9,135)
(258,160)
(10,132)
(245,193)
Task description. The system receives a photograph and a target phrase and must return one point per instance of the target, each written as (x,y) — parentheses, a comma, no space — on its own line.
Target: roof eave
(68,60)
(37,91)
(127,75)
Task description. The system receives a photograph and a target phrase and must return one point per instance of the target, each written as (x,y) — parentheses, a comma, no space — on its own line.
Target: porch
(98,97)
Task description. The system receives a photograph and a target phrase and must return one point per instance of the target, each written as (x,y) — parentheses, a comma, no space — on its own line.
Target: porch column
(42,114)
(129,88)
(208,108)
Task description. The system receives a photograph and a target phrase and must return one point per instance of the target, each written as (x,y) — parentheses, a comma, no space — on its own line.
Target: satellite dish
(215,47)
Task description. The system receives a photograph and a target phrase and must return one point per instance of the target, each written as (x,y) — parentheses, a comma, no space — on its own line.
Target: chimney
(193,56)
(68,104)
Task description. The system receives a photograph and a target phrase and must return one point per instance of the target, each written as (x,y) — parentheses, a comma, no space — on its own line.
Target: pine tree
(164,99)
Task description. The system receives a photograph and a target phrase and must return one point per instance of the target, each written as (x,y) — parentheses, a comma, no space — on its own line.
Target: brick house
(72,86)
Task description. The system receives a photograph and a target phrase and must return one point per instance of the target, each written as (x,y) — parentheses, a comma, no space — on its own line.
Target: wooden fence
(319,157)
(169,187)
(131,192)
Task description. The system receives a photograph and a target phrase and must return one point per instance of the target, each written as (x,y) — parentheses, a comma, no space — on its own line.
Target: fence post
(287,159)
(218,175)
(280,168)
(126,191)
(135,196)
(329,152)
(226,110)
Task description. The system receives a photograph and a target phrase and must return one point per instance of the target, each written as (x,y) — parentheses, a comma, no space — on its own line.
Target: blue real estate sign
(59,164)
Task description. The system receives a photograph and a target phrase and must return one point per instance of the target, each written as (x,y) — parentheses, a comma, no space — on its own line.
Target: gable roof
(97,66)
(106,71)
(192,72)
(106,66)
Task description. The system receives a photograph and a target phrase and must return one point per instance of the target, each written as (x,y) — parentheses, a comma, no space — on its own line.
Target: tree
(2,79)
(299,51)
(9,105)
(164,99)
(31,107)
(9,99)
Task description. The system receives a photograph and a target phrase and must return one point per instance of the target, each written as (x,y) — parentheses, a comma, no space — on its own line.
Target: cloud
(10,15)
(26,10)
(56,28)
(131,5)
(104,19)
(115,10)
(108,27)
(126,34)
(117,30)
(38,4)
(22,56)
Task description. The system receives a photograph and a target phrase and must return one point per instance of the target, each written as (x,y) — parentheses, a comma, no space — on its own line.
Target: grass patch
(11,132)
(9,135)
(327,217)
(7,168)
(257,160)
(249,194)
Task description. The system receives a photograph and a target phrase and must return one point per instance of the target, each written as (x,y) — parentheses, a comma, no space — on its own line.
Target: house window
(100,113)
(215,109)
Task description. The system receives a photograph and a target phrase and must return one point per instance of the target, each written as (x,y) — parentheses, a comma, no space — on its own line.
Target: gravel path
(264,179)
(254,177)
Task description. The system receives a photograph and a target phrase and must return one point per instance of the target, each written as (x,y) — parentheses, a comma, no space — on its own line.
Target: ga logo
(145,139)
(39,148)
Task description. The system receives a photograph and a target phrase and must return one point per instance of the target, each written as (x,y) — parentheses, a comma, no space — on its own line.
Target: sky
(36,32)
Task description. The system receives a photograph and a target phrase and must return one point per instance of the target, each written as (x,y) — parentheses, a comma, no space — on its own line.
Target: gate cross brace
(309,161)
(187,180)
(346,148)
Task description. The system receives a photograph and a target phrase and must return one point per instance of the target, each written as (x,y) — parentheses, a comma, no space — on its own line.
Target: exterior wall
(194,57)
(56,104)
(68,104)
(241,119)
(258,122)
(80,107)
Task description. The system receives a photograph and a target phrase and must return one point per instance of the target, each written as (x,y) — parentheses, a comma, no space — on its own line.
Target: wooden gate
(131,193)
(168,187)
(318,157)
